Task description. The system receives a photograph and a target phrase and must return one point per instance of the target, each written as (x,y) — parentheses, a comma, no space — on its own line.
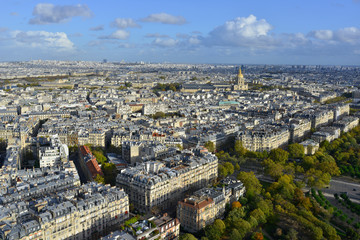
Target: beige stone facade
(152,186)
(90,218)
(264,140)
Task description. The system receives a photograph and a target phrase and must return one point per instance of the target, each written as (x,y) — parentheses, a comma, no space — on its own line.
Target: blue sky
(227,31)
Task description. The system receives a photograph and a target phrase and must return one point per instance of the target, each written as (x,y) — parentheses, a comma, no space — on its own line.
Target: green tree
(99,179)
(212,232)
(329,167)
(259,215)
(243,227)
(219,225)
(234,216)
(235,235)
(158,115)
(239,149)
(291,234)
(229,167)
(279,155)
(284,186)
(237,167)
(309,162)
(265,206)
(296,150)
(100,158)
(275,170)
(317,178)
(222,171)
(210,146)
(324,144)
(110,173)
(187,236)
(252,184)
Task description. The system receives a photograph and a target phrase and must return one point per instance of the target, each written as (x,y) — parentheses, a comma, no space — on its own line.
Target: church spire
(240,74)
(240,85)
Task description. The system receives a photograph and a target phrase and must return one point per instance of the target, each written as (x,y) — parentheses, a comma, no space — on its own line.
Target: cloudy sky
(211,31)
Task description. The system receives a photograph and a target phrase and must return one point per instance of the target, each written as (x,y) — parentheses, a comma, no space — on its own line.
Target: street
(338,185)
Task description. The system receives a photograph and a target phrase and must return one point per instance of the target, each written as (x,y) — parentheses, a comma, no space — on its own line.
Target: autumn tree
(257,236)
(235,204)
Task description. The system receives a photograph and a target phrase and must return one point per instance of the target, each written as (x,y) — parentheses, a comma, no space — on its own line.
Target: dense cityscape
(112,150)
(179,120)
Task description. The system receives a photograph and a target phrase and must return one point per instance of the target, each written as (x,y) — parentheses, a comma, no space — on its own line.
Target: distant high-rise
(240,82)
(105,61)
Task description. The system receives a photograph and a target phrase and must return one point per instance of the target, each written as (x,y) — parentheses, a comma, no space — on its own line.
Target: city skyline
(250,32)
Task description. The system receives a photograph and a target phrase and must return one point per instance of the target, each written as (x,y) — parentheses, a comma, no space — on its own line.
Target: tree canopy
(210,146)
(296,150)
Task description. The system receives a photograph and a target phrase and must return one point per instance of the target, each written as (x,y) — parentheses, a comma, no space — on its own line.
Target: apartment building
(347,123)
(158,186)
(299,129)
(264,139)
(93,210)
(207,204)
(54,154)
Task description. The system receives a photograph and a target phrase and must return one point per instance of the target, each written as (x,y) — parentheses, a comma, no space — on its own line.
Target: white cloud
(165,18)
(194,40)
(46,13)
(242,31)
(292,40)
(118,34)
(345,35)
(97,28)
(43,40)
(165,42)
(349,35)
(321,34)
(124,23)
